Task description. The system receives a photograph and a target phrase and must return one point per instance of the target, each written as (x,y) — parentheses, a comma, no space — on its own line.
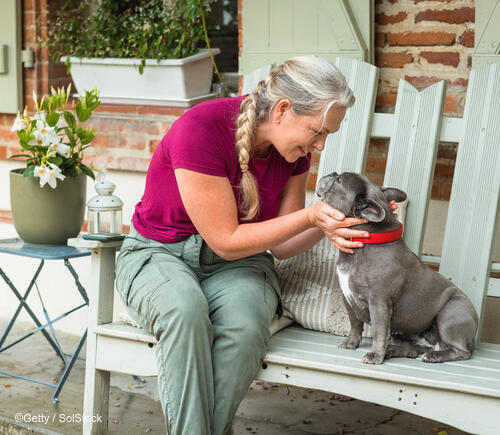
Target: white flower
(40,116)
(44,135)
(19,124)
(42,173)
(48,175)
(60,148)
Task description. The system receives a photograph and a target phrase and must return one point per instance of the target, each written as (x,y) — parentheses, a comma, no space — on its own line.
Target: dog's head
(357,196)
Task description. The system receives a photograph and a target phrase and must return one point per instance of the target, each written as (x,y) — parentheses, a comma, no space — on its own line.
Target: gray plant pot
(47,216)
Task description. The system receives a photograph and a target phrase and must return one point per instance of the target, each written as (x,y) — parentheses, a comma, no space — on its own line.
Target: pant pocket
(128,266)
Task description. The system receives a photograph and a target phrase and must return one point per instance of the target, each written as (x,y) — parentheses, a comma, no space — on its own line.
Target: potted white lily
(48,194)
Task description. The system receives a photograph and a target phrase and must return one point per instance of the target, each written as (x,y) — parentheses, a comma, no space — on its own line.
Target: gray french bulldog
(388,287)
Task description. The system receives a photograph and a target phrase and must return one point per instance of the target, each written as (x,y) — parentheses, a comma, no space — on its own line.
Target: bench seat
(311,359)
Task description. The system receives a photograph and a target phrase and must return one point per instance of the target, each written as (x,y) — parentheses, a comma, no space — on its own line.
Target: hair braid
(247,122)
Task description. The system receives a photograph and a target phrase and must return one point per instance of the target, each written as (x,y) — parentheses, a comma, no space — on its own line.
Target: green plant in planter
(54,139)
(142,29)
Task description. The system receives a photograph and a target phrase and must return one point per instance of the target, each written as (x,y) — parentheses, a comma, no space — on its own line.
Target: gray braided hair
(311,83)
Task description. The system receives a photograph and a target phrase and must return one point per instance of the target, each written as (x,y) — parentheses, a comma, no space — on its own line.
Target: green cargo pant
(211,319)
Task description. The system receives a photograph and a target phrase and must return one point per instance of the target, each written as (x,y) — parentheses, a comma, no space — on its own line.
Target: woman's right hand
(335,226)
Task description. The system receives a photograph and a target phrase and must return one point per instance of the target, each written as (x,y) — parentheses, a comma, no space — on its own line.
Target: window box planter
(171,82)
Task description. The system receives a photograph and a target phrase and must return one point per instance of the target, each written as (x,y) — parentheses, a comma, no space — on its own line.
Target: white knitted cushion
(310,289)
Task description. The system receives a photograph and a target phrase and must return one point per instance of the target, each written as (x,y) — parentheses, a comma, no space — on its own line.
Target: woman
(226,184)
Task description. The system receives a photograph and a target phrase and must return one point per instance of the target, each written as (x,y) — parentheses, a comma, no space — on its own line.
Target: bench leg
(96,394)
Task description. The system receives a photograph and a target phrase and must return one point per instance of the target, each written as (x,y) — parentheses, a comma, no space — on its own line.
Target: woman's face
(296,135)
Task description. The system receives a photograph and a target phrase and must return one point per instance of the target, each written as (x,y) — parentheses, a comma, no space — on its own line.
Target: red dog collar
(385,237)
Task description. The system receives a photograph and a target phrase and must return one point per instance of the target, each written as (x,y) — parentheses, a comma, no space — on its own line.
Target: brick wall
(422,42)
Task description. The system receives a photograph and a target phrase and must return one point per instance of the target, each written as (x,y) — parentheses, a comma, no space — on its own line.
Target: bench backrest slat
(347,149)
(412,153)
(473,211)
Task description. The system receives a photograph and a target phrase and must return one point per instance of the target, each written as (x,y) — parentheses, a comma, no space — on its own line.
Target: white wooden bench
(463,394)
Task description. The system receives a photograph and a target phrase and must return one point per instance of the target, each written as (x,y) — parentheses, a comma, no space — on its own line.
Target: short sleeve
(302,165)
(195,148)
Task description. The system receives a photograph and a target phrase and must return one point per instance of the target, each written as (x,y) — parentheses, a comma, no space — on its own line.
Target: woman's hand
(335,226)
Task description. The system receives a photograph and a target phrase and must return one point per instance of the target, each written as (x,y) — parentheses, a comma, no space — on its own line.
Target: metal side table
(43,252)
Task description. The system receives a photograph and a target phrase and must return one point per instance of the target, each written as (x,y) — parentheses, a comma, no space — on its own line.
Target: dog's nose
(334,175)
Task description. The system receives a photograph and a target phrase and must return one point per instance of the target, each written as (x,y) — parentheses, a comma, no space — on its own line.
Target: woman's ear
(280,110)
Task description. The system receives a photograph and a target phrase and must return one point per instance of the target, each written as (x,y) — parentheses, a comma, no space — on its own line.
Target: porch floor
(267,409)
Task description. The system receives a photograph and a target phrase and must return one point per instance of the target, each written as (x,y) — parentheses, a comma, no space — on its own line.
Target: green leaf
(19,155)
(71,136)
(70,119)
(28,172)
(87,171)
(72,171)
(52,119)
(57,160)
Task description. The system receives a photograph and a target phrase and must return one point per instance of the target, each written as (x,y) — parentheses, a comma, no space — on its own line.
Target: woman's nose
(320,145)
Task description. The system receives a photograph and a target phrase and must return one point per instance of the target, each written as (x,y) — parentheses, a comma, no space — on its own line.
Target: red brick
(380,38)
(7,120)
(117,108)
(436,190)
(420,38)
(378,146)
(7,135)
(144,127)
(160,110)
(131,142)
(311,181)
(383,19)
(450,16)
(422,81)
(3,152)
(28,5)
(444,170)
(451,103)
(393,60)
(153,144)
(130,164)
(375,165)
(446,191)
(379,181)
(387,99)
(467,38)
(445,58)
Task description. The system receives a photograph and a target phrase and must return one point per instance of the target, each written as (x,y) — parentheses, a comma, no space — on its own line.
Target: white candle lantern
(105,210)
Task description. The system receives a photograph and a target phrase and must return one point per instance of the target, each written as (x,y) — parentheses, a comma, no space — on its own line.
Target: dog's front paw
(373,358)
(349,344)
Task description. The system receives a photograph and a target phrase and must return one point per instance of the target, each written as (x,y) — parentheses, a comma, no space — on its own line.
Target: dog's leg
(380,315)
(399,348)
(355,334)
(456,325)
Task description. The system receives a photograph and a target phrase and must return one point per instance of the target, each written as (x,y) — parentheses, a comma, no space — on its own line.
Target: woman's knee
(184,306)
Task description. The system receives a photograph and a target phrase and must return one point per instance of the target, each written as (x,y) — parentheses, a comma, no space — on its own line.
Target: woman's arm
(210,203)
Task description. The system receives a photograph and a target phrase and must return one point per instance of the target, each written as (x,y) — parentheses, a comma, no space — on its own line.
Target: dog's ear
(368,209)
(391,193)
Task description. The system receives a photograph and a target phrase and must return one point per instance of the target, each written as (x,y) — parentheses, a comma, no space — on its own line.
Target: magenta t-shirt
(203,140)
